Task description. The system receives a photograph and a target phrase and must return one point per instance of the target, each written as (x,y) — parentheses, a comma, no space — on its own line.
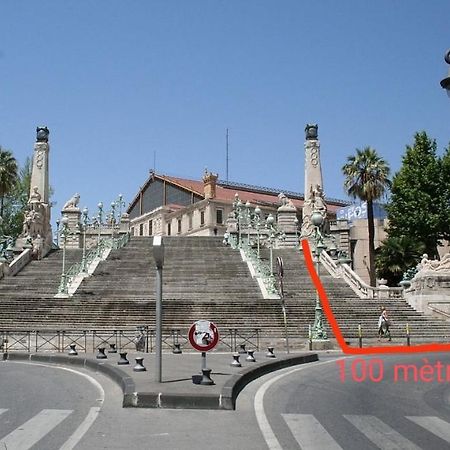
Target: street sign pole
(203,360)
(158,254)
(203,336)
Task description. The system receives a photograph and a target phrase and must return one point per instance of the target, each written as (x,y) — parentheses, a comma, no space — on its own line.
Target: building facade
(170,206)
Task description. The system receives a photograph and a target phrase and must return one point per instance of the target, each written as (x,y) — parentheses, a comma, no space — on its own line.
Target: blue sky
(117,81)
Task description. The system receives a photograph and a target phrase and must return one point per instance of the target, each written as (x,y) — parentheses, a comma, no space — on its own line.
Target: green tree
(15,203)
(8,175)
(367,178)
(445,194)
(395,256)
(415,205)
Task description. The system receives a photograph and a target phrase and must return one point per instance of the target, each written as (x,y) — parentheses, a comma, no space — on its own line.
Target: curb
(184,400)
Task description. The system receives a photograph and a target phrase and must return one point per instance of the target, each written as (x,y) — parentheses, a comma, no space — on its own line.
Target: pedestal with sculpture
(37,232)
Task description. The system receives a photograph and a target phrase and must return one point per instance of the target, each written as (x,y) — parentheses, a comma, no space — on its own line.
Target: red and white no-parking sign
(203,335)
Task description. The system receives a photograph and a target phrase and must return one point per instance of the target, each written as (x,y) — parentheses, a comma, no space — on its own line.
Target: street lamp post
(249,221)
(113,221)
(120,204)
(239,206)
(257,225)
(57,232)
(85,221)
(318,331)
(270,221)
(445,83)
(158,254)
(99,224)
(62,290)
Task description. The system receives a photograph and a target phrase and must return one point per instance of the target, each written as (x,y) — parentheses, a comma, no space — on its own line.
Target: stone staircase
(348,309)
(202,279)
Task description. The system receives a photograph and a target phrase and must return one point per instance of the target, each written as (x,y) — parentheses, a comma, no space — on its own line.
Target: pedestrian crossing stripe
(382,435)
(435,425)
(32,431)
(310,434)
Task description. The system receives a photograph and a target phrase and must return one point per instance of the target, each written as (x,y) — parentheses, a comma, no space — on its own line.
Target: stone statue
(428,265)
(285,202)
(282,199)
(72,202)
(311,131)
(42,134)
(35,197)
(318,200)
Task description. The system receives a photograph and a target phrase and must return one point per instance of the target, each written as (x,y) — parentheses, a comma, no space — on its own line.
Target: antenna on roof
(226,170)
(154,161)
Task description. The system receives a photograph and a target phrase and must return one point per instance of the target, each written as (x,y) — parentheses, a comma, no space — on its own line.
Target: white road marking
(309,433)
(266,430)
(93,412)
(382,435)
(434,425)
(2,411)
(32,431)
(82,429)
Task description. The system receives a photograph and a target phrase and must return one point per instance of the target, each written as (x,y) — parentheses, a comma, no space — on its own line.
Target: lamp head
(316,219)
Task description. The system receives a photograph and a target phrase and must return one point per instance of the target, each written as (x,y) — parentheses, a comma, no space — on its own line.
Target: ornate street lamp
(257,221)
(57,232)
(84,222)
(271,240)
(99,225)
(120,204)
(296,228)
(249,221)
(318,331)
(112,217)
(63,236)
(445,83)
(239,208)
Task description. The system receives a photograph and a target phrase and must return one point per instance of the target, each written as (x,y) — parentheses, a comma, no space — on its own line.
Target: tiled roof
(226,190)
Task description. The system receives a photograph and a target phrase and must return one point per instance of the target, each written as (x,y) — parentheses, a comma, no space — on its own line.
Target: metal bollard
(236,362)
(309,338)
(112,348)
(250,356)
(360,336)
(139,367)
(242,350)
(101,353)
(123,359)
(408,339)
(270,353)
(72,351)
(177,349)
(206,378)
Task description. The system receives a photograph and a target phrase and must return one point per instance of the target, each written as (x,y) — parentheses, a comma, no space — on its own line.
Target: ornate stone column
(37,231)
(314,195)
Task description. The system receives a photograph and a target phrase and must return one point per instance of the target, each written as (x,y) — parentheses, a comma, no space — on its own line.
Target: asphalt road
(309,407)
(393,404)
(45,407)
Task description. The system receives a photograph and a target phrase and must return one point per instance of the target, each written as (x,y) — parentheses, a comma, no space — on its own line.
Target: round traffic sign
(203,335)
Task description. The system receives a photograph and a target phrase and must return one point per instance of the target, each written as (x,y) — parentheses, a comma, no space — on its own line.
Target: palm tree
(367,178)
(396,255)
(8,175)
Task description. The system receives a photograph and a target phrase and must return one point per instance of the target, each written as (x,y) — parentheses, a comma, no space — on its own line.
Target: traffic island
(176,391)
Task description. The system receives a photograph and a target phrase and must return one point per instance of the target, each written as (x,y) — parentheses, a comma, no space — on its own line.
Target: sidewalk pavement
(177,390)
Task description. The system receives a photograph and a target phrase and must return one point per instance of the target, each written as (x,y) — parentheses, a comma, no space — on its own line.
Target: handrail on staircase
(75,274)
(361,288)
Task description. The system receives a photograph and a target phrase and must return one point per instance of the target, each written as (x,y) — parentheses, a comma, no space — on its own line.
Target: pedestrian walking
(384,324)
